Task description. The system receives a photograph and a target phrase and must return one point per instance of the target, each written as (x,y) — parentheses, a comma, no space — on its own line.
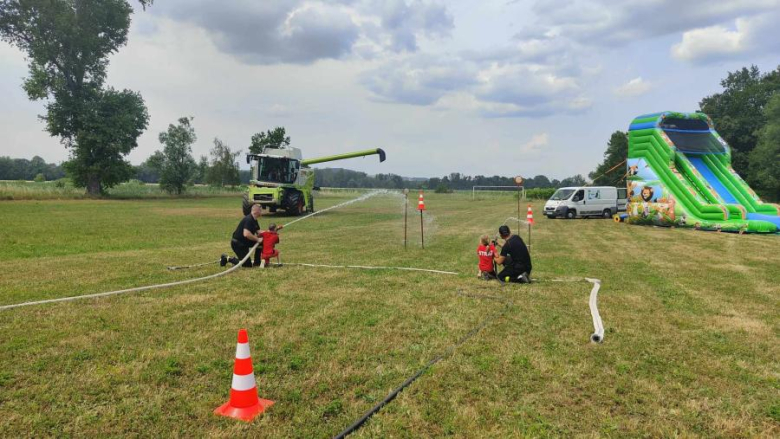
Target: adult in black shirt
(245,237)
(514,257)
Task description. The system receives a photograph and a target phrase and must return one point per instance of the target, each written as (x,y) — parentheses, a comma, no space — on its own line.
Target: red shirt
(486,257)
(270,239)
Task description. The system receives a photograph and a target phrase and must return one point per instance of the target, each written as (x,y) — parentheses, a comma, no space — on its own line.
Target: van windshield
(562,194)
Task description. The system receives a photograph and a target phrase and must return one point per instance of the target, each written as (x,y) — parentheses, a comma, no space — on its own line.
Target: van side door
(594,201)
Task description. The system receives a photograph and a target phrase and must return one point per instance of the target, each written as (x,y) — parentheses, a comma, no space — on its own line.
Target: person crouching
(486,252)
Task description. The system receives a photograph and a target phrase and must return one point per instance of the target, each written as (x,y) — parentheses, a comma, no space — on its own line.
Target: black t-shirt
(250,223)
(519,258)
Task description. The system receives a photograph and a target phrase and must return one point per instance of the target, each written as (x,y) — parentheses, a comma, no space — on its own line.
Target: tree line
(746,114)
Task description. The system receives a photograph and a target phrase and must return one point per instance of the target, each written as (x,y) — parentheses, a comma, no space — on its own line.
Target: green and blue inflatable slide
(680,174)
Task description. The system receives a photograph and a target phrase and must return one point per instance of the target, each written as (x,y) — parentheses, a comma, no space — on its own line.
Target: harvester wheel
(294,203)
(310,207)
(246,205)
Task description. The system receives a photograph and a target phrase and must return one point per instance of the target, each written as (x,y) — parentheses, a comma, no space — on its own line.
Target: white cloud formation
(607,22)
(305,31)
(633,88)
(749,35)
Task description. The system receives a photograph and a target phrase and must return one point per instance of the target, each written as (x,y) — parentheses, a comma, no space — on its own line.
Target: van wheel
(571,214)
(551,216)
(606,214)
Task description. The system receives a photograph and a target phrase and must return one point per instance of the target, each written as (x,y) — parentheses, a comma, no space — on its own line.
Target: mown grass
(691,318)
(64,190)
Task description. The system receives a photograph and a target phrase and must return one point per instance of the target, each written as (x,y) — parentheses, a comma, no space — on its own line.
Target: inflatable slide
(680,174)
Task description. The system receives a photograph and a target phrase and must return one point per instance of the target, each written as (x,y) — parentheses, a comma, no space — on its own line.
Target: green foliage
(738,111)
(23,169)
(765,159)
(443,189)
(68,44)
(109,130)
(39,178)
(617,151)
(270,139)
(202,170)
(175,162)
(224,169)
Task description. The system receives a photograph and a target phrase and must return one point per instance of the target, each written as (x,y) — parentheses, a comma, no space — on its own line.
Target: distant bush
(539,193)
(39,178)
(62,183)
(443,189)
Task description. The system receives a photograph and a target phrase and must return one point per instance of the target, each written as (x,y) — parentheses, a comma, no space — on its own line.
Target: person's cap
(503,230)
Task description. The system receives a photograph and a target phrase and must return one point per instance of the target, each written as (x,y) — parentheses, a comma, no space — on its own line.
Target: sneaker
(223,260)
(524,279)
(233,261)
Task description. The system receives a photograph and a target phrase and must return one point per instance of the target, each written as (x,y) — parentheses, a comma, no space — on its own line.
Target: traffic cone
(244,403)
(421,202)
(530,216)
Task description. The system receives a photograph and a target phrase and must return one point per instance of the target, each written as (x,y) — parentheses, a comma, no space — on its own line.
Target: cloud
(536,144)
(605,22)
(633,88)
(750,36)
(302,31)
(479,84)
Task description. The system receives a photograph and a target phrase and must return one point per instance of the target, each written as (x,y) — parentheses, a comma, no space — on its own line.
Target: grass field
(691,349)
(133,189)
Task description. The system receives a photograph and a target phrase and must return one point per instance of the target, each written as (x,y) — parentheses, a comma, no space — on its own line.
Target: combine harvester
(680,174)
(281,179)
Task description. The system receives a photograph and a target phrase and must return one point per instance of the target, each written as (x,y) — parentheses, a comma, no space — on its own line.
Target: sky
(476,87)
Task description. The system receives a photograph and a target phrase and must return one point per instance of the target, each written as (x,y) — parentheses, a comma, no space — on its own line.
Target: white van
(586,201)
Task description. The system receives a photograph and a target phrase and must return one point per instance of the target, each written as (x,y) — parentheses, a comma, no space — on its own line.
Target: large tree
(67,43)
(177,167)
(224,169)
(277,138)
(609,173)
(738,111)
(765,158)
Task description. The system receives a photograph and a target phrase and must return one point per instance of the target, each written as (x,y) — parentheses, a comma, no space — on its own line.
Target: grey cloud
(605,22)
(302,32)
(486,87)
(419,80)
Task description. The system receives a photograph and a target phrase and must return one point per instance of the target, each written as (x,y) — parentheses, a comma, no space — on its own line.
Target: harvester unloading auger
(281,179)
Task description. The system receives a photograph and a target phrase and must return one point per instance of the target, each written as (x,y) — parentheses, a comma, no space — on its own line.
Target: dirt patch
(737,322)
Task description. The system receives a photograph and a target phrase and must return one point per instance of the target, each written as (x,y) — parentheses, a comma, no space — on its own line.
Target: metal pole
(406,214)
(422,232)
(529,238)
(518,208)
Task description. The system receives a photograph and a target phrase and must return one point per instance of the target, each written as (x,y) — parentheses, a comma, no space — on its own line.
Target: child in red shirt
(270,239)
(486,252)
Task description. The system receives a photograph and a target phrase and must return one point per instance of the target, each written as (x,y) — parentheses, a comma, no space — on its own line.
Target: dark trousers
(513,273)
(241,251)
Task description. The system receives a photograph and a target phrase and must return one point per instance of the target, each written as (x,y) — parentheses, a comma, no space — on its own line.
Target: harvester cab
(282,179)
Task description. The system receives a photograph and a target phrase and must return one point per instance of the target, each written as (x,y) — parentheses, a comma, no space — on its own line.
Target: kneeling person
(514,257)
(244,238)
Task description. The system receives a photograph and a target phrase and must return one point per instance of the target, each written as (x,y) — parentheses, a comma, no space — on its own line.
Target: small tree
(39,178)
(765,159)
(175,163)
(224,169)
(617,151)
(202,171)
(270,139)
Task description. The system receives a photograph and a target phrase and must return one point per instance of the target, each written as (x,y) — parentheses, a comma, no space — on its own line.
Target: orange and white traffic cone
(530,216)
(421,202)
(244,403)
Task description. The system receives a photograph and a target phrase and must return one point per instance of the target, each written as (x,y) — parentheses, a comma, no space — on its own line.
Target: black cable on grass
(359,423)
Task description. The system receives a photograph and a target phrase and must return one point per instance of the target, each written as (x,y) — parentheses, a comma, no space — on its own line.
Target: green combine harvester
(281,179)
